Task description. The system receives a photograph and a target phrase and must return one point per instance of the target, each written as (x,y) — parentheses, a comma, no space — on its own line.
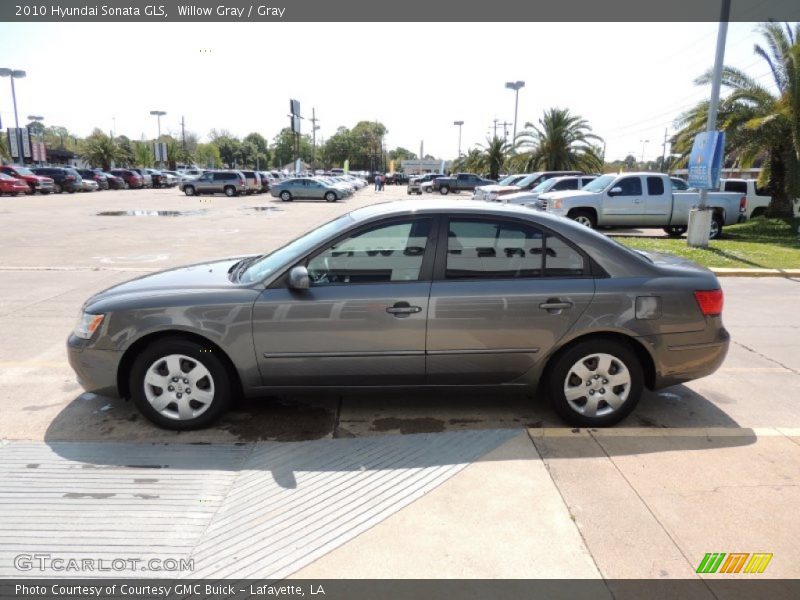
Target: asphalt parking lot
(712,466)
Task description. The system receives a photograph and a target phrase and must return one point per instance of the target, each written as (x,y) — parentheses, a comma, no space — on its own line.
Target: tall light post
(516,86)
(38,119)
(158,114)
(459,124)
(643,143)
(15,74)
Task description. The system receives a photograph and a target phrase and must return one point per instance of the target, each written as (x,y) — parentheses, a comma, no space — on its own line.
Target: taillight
(70,178)
(743,204)
(242,182)
(710,302)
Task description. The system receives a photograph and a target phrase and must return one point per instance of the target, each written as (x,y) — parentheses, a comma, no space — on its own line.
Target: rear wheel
(716,227)
(595,383)
(444,190)
(330,197)
(180,384)
(584,217)
(675,231)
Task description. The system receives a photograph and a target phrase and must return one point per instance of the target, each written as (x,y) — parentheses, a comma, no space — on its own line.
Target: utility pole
(495,121)
(314,128)
(664,152)
(505,125)
(183,134)
(459,124)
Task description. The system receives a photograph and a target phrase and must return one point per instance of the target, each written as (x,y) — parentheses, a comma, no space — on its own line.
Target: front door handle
(555,305)
(402,309)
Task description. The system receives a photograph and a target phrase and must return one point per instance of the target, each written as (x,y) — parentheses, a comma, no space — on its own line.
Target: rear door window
(655,186)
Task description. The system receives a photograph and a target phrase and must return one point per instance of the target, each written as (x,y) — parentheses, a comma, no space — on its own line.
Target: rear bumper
(679,359)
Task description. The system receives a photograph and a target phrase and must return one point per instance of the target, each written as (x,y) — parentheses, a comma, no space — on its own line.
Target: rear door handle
(403,309)
(554,304)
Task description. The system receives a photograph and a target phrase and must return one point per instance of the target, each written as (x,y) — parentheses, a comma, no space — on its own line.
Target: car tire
(587,367)
(182,363)
(44,192)
(286,196)
(330,197)
(57,189)
(584,217)
(444,190)
(230,191)
(675,231)
(127,185)
(716,227)
(189,190)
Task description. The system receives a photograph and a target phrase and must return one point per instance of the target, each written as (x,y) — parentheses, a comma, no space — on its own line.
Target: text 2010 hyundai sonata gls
(408,294)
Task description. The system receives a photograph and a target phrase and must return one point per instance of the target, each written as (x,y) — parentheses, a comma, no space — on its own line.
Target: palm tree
(142,154)
(101,150)
(761,123)
(493,157)
(560,142)
(4,153)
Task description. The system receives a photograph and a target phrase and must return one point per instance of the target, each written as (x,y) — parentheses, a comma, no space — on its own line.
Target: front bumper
(95,369)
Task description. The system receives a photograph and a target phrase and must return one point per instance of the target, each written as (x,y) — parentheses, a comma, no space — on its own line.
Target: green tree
(761,122)
(560,142)
(494,156)
(125,158)
(100,150)
(4,153)
(229,149)
(207,155)
(338,148)
(283,151)
(256,149)
(142,154)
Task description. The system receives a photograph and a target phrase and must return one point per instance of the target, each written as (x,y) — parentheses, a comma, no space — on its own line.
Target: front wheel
(189,190)
(444,190)
(585,218)
(180,384)
(675,231)
(286,196)
(595,383)
(330,197)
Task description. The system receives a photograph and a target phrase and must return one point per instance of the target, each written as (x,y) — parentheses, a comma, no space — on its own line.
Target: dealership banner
(409,10)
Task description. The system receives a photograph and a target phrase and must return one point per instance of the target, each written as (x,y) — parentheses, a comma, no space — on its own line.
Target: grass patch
(757,243)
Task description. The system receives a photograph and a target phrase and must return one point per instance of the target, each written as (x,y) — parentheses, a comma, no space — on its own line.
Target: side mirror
(298,278)
(615,191)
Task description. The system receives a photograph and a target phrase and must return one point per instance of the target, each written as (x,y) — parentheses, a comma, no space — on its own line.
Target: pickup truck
(642,200)
(415,182)
(462,182)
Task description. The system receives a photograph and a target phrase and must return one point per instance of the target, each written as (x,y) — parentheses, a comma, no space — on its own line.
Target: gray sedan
(409,294)
(308,188)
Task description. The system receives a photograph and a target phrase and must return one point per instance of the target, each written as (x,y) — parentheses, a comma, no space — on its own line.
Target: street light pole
(15,74)
(644,143)
(158,114)
(459,124)
(516,86)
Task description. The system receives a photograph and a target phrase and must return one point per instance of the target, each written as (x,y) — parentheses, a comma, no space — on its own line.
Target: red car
(36,183)
(12,185)
(132,179)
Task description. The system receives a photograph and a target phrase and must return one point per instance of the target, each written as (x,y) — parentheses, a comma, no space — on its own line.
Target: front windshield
(542,186)
(508,180)
(24,171)
(526,181)
(599,184)
(269,263)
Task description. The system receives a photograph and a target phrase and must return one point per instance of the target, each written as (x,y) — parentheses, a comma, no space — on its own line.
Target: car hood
(521,196)
(565,194)
(196,277)
(498,189)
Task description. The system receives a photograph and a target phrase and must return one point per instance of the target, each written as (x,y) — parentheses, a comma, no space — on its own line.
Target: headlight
(87,324)
(556,204)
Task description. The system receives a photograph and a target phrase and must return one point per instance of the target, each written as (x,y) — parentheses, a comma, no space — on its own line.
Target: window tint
(655,186)
(679,184)
(739,187)
(566,184)
(392,252)
(493,249)
(561,259)
(631,186)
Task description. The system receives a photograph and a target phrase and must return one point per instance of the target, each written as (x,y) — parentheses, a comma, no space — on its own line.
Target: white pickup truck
(642,200)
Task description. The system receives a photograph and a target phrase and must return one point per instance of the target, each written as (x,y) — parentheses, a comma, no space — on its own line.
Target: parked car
(526,183)
(191,172)
(114,182)
(230,183)
(36,183)
(554,184)
(516,298)
(460,182)
(642,200)
(89,185)
(253,181)
(415,182)
(157,177)
(267,180)
(147,178)
(97,176)
(65,179)
(133,180)
(12,186)
(306,188)
(486,192)
(757,198)
(171,178)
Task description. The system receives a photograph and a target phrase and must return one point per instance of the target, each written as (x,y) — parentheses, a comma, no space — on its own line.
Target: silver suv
(230,183)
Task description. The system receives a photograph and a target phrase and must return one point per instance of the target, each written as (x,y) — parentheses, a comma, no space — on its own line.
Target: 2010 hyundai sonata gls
(432,293)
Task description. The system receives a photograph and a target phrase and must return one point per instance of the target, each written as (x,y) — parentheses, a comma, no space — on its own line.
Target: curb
(734,272)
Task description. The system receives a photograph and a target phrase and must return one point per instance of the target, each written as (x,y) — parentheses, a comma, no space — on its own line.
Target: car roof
(472,207)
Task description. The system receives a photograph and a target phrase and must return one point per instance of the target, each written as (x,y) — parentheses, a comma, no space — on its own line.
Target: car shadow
(676,419)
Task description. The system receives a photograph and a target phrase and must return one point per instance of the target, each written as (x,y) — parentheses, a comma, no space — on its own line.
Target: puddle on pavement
(263,208)
(151,213)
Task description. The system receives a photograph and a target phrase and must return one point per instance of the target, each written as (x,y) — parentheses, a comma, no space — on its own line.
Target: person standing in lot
(377,182)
